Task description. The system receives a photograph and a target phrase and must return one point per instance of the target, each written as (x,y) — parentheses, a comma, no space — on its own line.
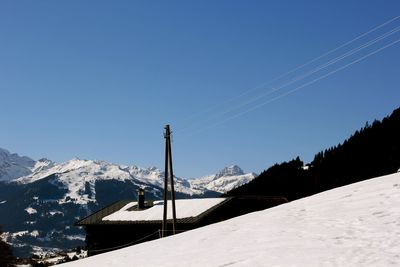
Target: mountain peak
(13,166)
(232,170)
(4,151)
(42,164)
(44,160)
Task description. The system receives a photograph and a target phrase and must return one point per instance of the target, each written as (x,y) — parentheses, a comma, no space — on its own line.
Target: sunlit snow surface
(184,208)
(30,210)
(355,225)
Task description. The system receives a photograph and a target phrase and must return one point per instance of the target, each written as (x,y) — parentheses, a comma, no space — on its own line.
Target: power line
(303,76)
(299,87)
(126,244)
(288,72)
(321,67)
(158,232)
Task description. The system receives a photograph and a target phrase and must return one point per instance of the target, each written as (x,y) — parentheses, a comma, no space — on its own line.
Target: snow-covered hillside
(79,177)
(13,166)
(355,225)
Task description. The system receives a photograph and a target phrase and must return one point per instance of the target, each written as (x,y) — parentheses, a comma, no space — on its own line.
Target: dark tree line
(370,152)
(6,257)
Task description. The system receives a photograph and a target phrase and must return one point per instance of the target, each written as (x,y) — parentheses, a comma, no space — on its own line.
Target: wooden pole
(168,171)
(172,184)
(164,223)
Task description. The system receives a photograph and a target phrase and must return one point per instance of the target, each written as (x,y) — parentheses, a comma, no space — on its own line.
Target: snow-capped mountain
(13,166)
(78,175)
(224,181)
(43,200)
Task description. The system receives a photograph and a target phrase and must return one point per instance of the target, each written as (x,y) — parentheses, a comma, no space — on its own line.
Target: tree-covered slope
(372,151)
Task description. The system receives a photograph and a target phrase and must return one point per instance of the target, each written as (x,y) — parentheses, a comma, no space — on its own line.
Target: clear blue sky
(100,79)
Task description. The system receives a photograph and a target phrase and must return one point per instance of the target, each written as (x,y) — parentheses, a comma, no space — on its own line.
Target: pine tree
(372,151)
(6,257)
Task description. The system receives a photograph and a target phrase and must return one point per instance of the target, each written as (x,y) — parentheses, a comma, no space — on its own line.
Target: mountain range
(43,199)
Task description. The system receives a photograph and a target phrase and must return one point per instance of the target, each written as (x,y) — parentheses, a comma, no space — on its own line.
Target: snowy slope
(13,166)
(355,225)
(78,176)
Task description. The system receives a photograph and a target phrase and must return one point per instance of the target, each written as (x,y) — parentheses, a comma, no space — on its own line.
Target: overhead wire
(321,67)
(137,241)
(309,73)
(287,73)
(297,88)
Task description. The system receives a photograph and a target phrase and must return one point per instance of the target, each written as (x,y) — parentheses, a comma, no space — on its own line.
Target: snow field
(355,225)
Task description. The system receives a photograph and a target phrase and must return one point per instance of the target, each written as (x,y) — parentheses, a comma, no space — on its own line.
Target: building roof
(126,212)
(184,208)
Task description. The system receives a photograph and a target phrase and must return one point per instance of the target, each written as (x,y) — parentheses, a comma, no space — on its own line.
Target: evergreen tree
(372,151)
(6,257)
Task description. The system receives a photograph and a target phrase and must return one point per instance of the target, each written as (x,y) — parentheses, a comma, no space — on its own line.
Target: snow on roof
(184,208)
(354,225)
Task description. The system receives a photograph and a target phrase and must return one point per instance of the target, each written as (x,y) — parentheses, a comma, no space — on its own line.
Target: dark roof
(97,217)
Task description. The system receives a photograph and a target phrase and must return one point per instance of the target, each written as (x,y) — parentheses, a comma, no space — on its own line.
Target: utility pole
(168,172)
